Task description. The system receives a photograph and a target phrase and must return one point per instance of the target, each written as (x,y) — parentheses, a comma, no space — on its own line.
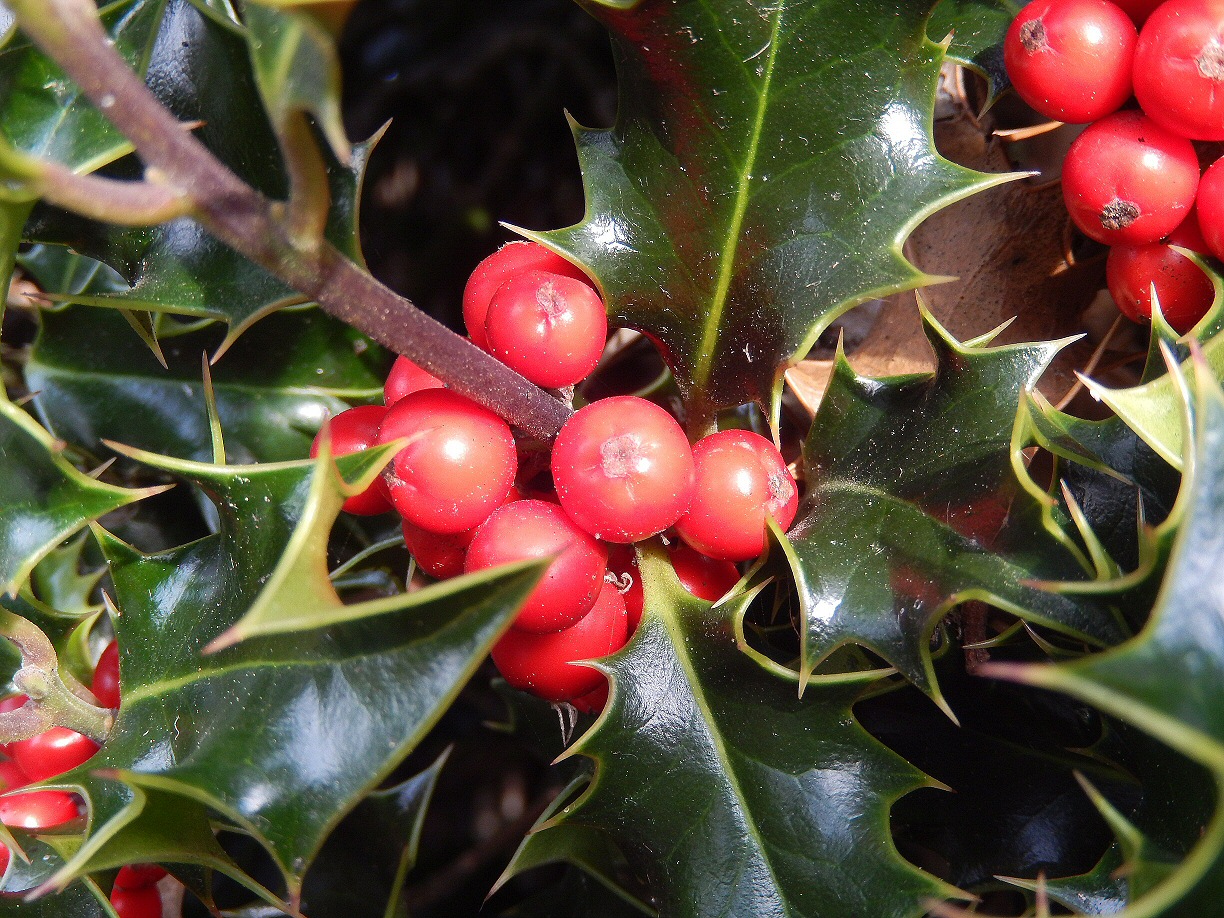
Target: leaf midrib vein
(683,657)
(709,338)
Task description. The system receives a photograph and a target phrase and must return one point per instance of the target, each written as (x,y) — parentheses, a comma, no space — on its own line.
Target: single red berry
(741,479)
(137,903)
(52,752)
(529,529)
(1184,290)
(1071,59)
(11,776)
(458,465)
(352,431)
(623,469)
(5,857)
(139,876)
(405,378)
(438,554)
(511,259)
(11,703)
(43,809)
(1128,180)
(705,577)
(1179,68)
(544,664)
(106,677)
(1138,10)
(1211,207)
(622,563)
(547,327)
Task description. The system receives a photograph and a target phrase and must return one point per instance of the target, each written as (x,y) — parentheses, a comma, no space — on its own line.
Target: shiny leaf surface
(913,508)
(44,499)
(1185,635)
(756,185)
(734,795)
(320,716)
(96,381)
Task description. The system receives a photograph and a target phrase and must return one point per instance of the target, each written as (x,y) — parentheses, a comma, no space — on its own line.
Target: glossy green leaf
(44,114)
(734,795)
(96,381)
(44,499)
(201,69)
(296,69)
(976,28)
(282,735)
(361,870)
(1185,636)
(767,163)
(913,508)
(81,900)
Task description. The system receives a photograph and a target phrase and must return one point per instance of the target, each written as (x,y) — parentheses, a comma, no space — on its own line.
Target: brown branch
(68,31)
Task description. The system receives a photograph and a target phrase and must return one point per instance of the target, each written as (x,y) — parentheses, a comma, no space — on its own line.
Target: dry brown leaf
(1006,247)
(808,380)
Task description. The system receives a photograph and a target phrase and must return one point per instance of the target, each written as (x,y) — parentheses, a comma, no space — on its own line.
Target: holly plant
(806,579)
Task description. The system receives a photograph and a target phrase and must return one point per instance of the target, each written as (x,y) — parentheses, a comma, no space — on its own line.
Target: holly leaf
(732,794)
(320,716)
(912,508)
(177,267)
(767,162)
(46,856)
(1184,635)
(95,381)
(976,29)
(44,114)
(44,498)
(361,870)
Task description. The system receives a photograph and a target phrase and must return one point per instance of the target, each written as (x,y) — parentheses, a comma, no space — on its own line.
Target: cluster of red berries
(52,753)
(1132,179)
(621,470)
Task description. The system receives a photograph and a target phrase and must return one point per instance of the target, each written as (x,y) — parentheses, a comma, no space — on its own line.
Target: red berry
(438,554)
(1071,59)
(137,903)
(139,876)
(43,809)
(11,776)
(622,562)
(405,378)
(457,467)
(623,469)
(543,663)
(706,578)
(1211,207)
(511,259)
(5,857)
(106,677)
(529,529)
(549,328)
(1185,292)
(352,431)
(1138,10)
(741,479)
(1128,180)
(52,752)
(1179,68)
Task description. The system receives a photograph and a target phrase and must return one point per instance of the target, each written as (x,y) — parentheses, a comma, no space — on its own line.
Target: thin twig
(69,32)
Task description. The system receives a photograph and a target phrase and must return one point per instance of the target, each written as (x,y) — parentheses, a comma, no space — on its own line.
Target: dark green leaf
(768,161)
(320,717)
(913,508)
(274,387)
(1185,636)
(81,900)
(44,499)
(44,114)
(360,871)
(977,28)
(733,794)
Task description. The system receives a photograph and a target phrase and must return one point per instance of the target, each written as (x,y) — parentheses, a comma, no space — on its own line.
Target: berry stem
(68,31)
